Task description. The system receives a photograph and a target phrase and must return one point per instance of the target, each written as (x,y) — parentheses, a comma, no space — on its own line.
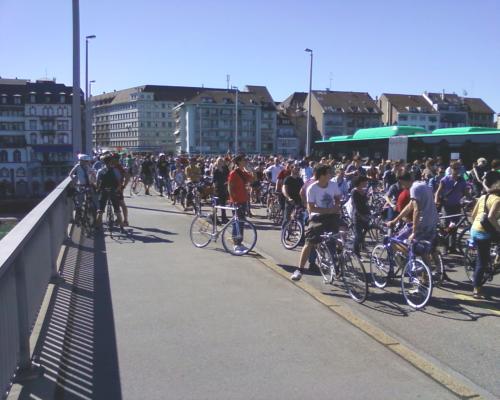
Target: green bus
(412,142)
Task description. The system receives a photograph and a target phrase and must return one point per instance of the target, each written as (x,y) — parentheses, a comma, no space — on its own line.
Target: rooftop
(409,103)
(347,102)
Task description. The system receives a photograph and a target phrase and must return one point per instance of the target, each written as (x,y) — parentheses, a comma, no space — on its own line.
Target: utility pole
(87,142)
(236,122)
(308,134)
(76,117)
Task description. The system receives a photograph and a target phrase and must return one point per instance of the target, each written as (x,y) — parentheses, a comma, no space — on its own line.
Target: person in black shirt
(291,192)
(479,169)
(219,175)
(162,168)
(147,171)
(492,176)
(361,211)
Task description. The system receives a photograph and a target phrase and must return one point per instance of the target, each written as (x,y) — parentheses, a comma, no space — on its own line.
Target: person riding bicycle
(485,229)
(291,192)
(108,187)
(147,172)
(361,211)
(82,175)
(193,172)
(238,178)
(323,204)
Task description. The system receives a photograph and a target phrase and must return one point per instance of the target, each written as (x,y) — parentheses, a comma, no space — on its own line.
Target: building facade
(343,113)
(138,119)
(452,110)
(287,142)
(408,109)
(479,113)
(36,149)
(206,123)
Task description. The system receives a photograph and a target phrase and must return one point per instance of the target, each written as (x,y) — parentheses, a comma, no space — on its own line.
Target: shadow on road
(77,342)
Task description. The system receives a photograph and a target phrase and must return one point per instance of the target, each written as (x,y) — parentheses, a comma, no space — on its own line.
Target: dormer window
(32,98)
(62,98)
(17,99)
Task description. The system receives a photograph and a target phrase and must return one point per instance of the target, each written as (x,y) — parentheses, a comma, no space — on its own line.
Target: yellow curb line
(473,300)
(392,344)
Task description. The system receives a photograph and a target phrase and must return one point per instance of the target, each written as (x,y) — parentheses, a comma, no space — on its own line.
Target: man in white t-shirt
(274,170)
(323,204)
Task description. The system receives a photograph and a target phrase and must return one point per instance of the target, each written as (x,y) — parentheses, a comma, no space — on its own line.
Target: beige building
(408,109)
(343,113)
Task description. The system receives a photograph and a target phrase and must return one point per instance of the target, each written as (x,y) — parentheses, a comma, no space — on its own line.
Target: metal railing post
(27,368)
(55,276)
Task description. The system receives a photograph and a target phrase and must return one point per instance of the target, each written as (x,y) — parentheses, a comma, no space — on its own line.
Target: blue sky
(393,46)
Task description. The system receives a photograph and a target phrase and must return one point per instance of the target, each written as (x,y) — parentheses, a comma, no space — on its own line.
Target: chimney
(442,95)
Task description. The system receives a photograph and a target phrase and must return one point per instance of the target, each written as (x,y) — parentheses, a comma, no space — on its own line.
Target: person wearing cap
(238,178)
(108,187)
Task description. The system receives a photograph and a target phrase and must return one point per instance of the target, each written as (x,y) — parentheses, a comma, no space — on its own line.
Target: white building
(137,119)
(206,123)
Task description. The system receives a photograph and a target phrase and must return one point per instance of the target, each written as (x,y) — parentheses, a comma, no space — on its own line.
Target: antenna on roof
(464,92)
(331,80)
(228,79)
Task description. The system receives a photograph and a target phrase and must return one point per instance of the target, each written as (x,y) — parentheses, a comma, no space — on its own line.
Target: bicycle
(238,236)
(293,232)
(444,233)
(416,277)
(110,215)
(136,186)
(336,261)
(85,213)
(493,268)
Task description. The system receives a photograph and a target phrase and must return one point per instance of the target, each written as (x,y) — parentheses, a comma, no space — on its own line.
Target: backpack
(109,179)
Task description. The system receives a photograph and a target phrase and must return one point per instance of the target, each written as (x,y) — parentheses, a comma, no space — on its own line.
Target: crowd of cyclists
(415,202)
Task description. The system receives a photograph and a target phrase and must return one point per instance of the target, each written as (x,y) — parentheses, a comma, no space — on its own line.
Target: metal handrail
(28,261)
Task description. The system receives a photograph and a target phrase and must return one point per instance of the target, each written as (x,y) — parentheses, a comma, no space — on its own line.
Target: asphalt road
(202,324)
(454,330)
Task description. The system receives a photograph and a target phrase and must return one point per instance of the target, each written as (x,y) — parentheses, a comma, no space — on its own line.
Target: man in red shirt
(238,178)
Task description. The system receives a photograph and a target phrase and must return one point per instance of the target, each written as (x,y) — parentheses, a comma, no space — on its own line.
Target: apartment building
(452,110)
(36,149)
(343,113)
(206,123)
(287,142)
(138,119)
(479,113)
(294,109)
(408,109)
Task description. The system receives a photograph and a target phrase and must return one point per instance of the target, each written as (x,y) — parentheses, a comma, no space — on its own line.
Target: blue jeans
(237,231)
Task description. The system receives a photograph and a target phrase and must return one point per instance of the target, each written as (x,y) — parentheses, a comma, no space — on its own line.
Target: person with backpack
(485,229)
(108,187)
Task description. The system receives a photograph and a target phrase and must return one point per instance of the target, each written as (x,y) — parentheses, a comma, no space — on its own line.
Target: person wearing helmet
(108,187)
(82,176)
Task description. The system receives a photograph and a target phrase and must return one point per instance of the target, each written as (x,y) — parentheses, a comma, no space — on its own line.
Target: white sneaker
(240,249)
(296,275)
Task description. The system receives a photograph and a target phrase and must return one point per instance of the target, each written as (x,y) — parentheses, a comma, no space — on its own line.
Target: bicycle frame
(234,220)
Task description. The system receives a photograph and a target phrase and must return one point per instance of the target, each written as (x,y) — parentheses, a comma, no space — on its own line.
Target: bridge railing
(28,261)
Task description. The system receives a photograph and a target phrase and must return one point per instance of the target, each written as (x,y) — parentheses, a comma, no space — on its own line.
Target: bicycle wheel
(380,266)
(201,230)
(291,234)
(137,188)
(89,219)
(437,268)
(354,277)
(325,262)
(239,238)
(462,240)
(197,204)
(110,219)
(416,283)
(469,261)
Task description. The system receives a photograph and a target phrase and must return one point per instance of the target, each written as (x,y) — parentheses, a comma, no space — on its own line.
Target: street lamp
(235,88)
(90,111)
(88,132)
(308,134)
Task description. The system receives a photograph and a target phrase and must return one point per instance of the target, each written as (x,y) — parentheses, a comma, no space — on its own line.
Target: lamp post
(235,88)
(76,101)
(88,133)
(308,132)
(90,114)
